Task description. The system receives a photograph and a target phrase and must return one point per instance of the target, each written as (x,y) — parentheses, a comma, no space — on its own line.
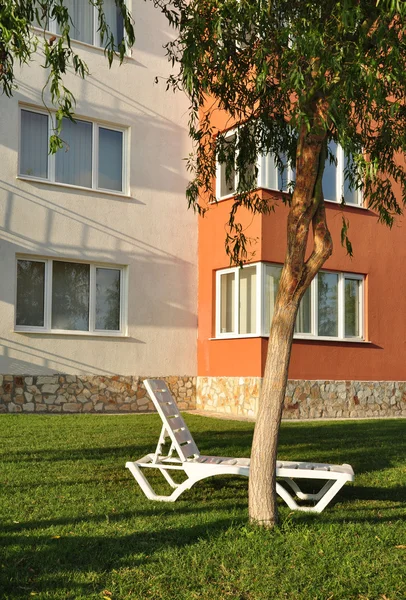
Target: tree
(19,41)
(292,76)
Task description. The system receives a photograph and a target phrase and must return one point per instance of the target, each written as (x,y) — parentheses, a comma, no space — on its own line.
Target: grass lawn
(74,523)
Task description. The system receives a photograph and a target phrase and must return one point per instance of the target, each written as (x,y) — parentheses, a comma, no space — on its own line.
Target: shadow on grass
(41,563)
(55,559)
(130,452)
(396,494)
(130,539)
(157,511)
(44,563)
(366,445)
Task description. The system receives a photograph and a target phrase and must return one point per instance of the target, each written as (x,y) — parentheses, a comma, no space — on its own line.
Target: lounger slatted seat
(184,456)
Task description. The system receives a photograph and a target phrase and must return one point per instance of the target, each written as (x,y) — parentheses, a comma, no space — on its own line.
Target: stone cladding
(86,394)
(235,396)
(238,396)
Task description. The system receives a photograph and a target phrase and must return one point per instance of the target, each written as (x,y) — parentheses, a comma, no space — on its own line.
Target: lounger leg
(149,492)
(284,494)
(329,494)
(329,484)
(294,486)
(326,494)
(169,478)
(141,480)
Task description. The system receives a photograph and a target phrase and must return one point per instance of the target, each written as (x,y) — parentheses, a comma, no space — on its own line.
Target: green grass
(74,523)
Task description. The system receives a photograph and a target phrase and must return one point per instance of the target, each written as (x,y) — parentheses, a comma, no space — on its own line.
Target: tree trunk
(262,482)
(307,210)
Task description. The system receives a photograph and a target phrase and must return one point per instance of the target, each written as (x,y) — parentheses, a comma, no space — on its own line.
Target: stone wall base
(238,396)
(61,393)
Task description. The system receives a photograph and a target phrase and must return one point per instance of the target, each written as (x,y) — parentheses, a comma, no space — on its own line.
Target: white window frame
(236,308)
(260,306)
(96,125)
(260,164)
(96,43)
(219,170)
(262,183)
(92,331)
(342,276)
(340,181)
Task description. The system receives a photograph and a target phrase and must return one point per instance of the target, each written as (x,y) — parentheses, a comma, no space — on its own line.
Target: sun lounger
(184,456)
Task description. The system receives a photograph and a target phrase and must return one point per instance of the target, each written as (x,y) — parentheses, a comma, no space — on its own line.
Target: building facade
(98,267)
(106,278)
(348,350)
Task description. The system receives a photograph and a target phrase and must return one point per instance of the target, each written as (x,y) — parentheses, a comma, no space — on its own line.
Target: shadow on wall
(160,291)
(159,144)
(152,32)
(42,219)
(44,362)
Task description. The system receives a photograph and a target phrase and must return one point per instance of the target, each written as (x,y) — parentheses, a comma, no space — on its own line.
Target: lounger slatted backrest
(174,424)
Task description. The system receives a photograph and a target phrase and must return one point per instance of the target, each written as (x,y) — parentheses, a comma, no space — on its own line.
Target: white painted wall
(152,231)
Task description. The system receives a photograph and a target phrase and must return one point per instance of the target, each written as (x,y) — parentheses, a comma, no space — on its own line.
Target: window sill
(232,336)
(68,333)
(74,187)
(296,338)
(321,338)
(347,205)
(266,189)
(80,43)
(228,197)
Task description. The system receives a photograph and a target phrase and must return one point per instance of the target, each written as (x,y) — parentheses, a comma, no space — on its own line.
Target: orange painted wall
(379,253)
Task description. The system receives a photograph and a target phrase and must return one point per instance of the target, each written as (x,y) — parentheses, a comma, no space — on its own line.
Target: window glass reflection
(272,277)
(330,174)
(30,293)
(248,305)
(70,296)
(352,298)
(108,299)
(303,319)
(227,303)
(328,304)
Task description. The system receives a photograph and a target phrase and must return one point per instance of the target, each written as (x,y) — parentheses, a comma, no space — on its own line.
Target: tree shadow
(84,454)
(41,562)
(367,445)
(91,545)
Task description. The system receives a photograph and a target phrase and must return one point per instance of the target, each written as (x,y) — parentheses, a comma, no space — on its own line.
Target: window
(272,177)
(227,179)
(332,307)
(84,22)
(227,182)
(237,301)
(62,296)
(93,156)
(335,183)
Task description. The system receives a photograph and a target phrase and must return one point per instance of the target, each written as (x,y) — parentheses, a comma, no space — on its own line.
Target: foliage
(272,66)
(75,524)
(19,41)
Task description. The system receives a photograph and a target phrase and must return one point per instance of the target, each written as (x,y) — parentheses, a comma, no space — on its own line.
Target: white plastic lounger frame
(197,467)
